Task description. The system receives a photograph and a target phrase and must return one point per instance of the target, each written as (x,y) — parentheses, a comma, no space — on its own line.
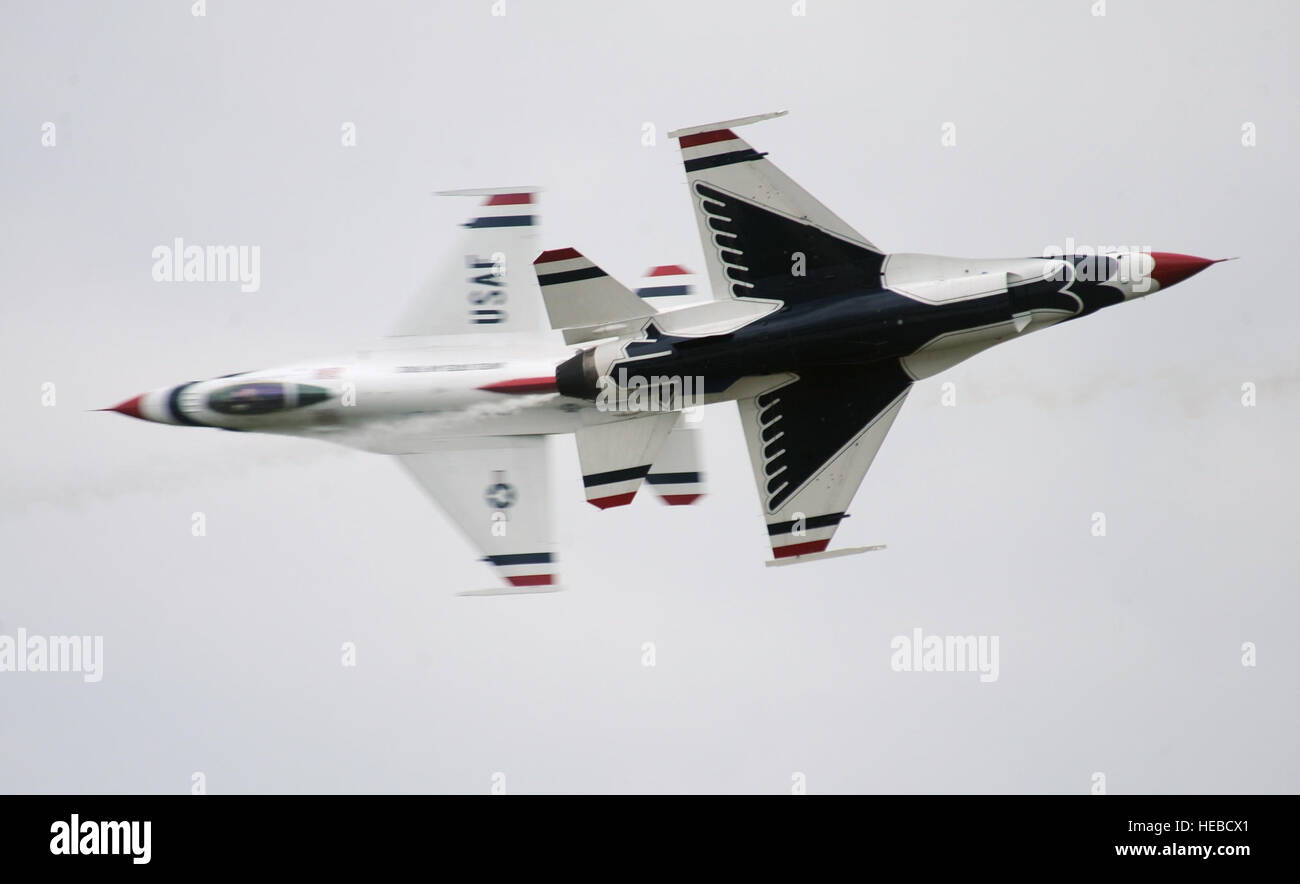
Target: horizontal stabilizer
(579,294)
(676,475)
(616,457)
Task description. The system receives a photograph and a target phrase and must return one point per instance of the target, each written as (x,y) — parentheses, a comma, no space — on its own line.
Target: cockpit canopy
(264,397)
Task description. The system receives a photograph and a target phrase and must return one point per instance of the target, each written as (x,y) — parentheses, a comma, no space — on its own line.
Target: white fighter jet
(816,333)
(463,395)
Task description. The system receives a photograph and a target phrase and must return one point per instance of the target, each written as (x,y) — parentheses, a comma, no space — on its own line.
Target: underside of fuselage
(866,326)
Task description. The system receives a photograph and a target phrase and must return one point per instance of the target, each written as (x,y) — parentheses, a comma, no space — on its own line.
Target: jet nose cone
(130,408)
(1172,268)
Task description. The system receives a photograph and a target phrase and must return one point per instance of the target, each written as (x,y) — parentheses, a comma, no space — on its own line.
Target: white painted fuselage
(400,398)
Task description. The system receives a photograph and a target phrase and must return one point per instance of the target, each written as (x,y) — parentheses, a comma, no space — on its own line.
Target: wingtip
(727,124)
(824,554)
(504,590)
(488,191)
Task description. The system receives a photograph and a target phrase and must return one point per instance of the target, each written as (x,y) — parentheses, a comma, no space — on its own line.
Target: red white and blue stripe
(505,210)
(667,286)
(525,569)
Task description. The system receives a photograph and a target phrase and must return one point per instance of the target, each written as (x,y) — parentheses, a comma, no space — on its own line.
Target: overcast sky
(1119,654)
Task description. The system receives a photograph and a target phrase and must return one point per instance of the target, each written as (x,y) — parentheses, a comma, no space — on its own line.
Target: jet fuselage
(928,312)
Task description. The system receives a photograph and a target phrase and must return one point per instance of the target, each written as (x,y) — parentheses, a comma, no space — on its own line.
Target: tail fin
(668,287)
(584,300)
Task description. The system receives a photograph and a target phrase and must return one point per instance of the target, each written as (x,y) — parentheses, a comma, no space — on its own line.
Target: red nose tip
(1172,267)
(130,408)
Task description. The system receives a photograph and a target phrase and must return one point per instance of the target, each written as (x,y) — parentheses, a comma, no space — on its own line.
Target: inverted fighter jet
(816,333)
(813,331)
(462,394)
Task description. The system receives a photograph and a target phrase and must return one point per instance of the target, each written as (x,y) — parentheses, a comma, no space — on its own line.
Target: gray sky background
(222,654)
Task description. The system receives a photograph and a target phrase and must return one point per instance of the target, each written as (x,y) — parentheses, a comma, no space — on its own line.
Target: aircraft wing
(811,439)
(497,490)
(765,237)
(486,284)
